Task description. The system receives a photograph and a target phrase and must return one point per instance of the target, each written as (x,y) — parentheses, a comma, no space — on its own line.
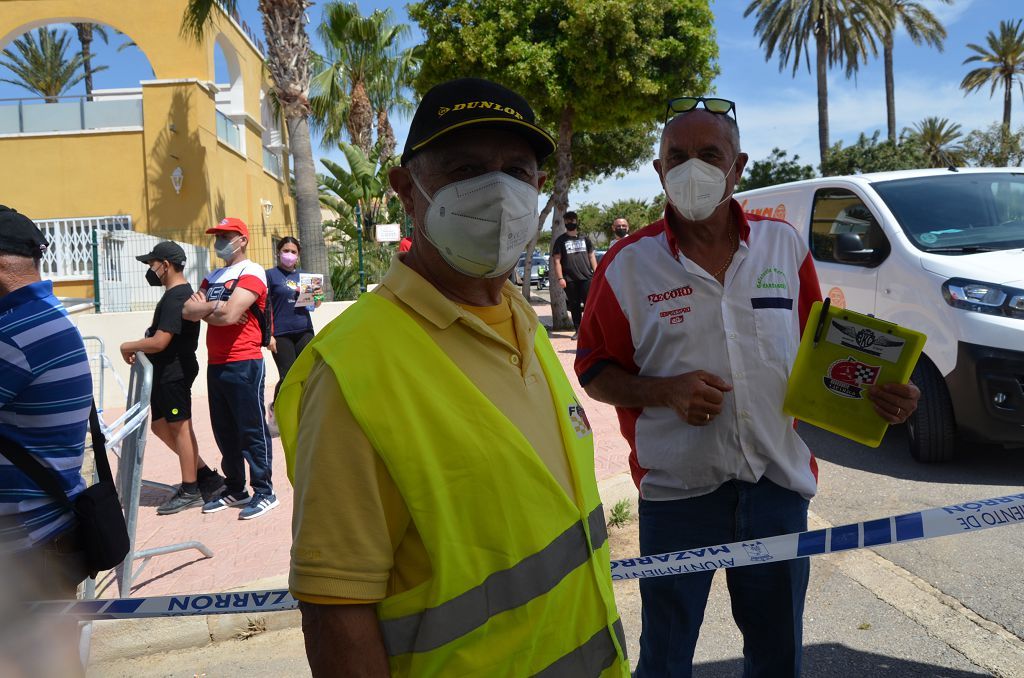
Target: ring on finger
(899,411)
(707,417)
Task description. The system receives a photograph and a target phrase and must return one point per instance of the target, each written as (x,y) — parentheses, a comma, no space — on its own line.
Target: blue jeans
(767,600)
(239,427)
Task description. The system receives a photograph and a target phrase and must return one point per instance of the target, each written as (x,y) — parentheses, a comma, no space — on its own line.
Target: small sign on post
(388,232)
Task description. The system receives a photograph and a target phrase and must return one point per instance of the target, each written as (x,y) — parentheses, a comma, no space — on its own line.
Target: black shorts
(171,400)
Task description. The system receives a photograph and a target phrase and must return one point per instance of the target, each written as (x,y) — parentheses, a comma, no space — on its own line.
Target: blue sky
(774,108)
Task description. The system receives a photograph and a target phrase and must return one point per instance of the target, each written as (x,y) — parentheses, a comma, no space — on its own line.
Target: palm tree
(387,90)
(363,190)
(86,34)
(1005,53)
(40,62)
(360,52)
(842,32)
(937,138)
(923,28)
(288,57)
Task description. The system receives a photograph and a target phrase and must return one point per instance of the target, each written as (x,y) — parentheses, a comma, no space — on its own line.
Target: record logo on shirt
(847,378)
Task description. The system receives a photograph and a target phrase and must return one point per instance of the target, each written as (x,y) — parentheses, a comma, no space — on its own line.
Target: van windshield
(959,213)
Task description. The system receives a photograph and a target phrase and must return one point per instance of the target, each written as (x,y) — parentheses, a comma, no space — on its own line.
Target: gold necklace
(733,248)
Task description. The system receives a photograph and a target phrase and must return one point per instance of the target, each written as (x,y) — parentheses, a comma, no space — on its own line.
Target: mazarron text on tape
(970,516)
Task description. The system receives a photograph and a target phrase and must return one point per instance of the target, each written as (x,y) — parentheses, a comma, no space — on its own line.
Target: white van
(940,251)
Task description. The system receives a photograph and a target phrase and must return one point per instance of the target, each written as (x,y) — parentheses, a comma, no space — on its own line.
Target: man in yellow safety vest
(447,521)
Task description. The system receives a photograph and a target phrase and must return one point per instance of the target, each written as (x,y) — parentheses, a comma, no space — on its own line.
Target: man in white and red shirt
(691,328)
(233,302)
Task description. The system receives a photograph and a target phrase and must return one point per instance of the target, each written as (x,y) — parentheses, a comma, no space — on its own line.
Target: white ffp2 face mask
(480,226)
(696,188)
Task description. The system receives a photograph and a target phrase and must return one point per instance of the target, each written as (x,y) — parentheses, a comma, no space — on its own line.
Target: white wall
(116,328)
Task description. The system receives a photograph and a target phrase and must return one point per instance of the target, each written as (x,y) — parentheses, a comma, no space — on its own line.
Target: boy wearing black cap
(170,344)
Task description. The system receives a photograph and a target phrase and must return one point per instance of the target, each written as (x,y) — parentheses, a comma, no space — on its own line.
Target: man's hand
(127,354)
(561,283)
(696,397)
(895,402)
(273,345)
(196,308)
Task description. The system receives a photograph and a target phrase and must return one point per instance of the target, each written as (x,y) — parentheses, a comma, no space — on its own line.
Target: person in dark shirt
(170,344)
(293,328)
(574,262)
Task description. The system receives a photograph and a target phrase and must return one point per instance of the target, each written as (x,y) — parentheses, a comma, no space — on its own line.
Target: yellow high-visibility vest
(520,582)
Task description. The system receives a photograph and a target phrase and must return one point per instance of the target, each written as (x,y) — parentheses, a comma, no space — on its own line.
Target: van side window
(843,230)
(1008,201)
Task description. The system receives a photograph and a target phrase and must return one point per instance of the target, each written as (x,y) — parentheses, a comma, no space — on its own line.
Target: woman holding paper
(293,328)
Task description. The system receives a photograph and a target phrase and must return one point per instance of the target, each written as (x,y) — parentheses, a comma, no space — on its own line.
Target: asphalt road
(980,570)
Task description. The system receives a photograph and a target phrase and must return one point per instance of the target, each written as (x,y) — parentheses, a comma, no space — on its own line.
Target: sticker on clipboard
(888,347)
(849,377)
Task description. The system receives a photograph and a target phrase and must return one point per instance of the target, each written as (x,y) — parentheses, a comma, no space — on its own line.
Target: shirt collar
(37,290)
(671,218)
(418,294)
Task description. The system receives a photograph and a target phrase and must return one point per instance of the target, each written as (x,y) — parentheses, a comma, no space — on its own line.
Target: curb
(132,638)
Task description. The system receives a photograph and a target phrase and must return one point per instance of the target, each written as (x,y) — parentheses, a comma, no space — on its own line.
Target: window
(958,213)
(844,230)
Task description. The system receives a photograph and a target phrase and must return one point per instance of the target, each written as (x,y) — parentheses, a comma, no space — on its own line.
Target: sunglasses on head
(711,104)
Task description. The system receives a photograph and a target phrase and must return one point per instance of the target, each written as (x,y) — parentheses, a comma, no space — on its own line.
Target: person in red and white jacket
(233,302)
(691,329)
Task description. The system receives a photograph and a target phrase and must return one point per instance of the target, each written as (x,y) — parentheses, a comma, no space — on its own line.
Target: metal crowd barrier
(131,438)
(126,438)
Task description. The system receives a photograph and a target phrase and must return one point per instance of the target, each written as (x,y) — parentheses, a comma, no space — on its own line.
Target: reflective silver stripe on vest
(598,528)
(530,578)
(589,659)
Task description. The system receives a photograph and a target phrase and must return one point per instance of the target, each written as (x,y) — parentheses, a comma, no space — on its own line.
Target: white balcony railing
(69,256)
(272,162)
(228,131)
(71,114)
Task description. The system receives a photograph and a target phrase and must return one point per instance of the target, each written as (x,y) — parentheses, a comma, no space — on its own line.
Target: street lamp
(177,176)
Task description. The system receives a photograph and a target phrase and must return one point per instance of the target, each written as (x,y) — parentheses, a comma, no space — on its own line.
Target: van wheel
(931,429)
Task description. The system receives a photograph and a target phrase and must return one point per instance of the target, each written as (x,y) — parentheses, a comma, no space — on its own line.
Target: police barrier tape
(970,516)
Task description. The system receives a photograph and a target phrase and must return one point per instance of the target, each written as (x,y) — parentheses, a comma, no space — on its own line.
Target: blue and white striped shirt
(45,400)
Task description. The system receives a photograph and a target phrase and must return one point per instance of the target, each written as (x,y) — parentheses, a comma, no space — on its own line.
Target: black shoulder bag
(100,519)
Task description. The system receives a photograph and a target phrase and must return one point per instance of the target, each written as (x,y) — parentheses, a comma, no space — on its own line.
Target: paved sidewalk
(245,551)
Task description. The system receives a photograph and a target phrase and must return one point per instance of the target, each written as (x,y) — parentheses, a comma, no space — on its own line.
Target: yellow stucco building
(168,158)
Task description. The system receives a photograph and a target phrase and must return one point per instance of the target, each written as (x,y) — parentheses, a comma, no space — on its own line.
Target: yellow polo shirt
(353,539)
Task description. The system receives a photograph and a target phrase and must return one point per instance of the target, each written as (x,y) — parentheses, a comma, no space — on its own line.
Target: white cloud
(948,14)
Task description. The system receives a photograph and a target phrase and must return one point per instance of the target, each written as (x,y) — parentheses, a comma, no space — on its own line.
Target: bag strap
(44,478)
(99,447)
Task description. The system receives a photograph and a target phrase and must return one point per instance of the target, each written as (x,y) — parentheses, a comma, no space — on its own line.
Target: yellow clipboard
(841,354)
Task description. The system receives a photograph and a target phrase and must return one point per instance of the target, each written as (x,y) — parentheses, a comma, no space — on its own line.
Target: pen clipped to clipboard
(839,361)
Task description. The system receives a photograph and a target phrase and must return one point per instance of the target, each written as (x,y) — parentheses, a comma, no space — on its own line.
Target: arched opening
(70,74)
(230,94)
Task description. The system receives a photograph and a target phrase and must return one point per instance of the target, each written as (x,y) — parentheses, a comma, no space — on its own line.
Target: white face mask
(480,226)
(696,188)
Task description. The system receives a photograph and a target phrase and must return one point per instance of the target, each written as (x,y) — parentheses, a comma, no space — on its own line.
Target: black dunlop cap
(466,102)
(19,235)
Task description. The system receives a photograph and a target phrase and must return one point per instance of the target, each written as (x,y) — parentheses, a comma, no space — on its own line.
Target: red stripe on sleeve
(604,331)
(810,290)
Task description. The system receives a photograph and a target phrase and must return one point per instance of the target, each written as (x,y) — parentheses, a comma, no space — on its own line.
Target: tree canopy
(994,146)
(777,168)
(583,65)
(613,62)
(41,64)
(870,155)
